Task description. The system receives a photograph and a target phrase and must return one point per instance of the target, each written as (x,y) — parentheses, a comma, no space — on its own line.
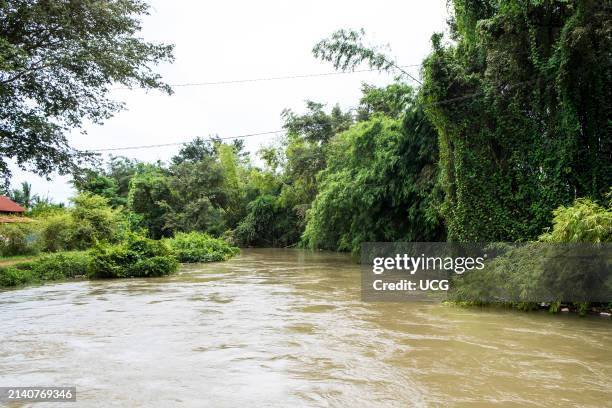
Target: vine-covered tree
(522,103)
(58,60)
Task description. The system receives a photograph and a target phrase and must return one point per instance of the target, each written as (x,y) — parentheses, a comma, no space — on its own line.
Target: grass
(24,270)
(12,260)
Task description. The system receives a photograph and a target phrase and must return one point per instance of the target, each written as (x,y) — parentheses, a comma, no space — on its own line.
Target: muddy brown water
(287,328)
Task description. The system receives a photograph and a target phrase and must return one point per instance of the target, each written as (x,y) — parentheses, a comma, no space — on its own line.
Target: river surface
(287,328)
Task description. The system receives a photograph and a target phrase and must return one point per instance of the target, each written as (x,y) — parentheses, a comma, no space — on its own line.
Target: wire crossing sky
(264,50)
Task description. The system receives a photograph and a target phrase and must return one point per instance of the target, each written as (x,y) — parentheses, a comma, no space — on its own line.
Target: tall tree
(58,60)
(522,103)
(380,179)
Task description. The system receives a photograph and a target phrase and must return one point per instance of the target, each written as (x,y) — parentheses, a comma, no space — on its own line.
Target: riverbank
(134,256)
(12,260)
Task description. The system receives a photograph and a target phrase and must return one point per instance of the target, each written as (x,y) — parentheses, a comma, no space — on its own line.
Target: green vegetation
(523,272)
(335,180)
(50,267)
(584,221)
(136,256)
(536,132)
(506,136)
(198,247)
(17,239)
(113,250)
(57,62)
(378,185)
(78,227)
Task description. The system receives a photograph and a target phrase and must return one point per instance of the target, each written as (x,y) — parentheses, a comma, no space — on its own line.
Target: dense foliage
(377,186)
(51,267)
(269,222)
(18,239)
(539,271)
(136,256)
(57,62)
(522,103)
(199,247)
(133,256)
(78,227)
(509,126)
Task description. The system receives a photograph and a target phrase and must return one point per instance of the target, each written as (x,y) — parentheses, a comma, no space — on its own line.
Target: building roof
(8,205)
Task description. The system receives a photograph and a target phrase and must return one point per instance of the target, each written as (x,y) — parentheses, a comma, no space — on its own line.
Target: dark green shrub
(268,223)
(61,265)
(56,232)
(13,276)
(18,239)
(50,267)
(136,256)
(200,247)
(156,266)
(89,221)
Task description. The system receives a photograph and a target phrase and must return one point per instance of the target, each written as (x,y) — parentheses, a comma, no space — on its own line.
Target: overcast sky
(240,39)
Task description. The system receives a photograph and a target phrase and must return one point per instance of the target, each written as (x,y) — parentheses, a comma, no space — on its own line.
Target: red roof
(8,205)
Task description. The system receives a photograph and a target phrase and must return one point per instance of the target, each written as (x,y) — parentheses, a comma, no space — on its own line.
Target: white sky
(240,39)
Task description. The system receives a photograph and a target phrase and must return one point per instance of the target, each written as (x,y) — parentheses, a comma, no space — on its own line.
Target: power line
(437,103)
(182,143)
(277,78)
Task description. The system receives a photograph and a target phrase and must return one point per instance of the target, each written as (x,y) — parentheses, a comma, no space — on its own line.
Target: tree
(151,198)
(268,223)
(346,49)
(391,101)
(24,196)
(379,185)
(522,103)
(201,197)
(96,182)
(307,138)
(58,60)
(112,182)
(94,220)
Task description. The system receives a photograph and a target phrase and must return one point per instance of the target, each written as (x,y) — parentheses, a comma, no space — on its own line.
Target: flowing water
(286,328)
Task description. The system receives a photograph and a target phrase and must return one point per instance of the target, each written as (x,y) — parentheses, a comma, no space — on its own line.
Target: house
(10,211)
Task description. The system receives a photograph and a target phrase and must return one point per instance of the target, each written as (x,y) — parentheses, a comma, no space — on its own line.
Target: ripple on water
(287,328)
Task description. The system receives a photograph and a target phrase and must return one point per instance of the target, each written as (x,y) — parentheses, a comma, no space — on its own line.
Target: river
(286,328)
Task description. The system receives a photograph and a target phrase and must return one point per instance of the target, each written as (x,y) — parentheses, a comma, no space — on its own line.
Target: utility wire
(276,78)
(437,103)
(182,143)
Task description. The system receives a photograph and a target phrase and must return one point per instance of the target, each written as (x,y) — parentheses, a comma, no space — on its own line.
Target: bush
(542,271)
(13,276)
(61,265)
(200,247)
(584,221)
(137,256)
(268,223)
(89,221)
(94,220)
(18,239)
(57,232)
(51,267)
